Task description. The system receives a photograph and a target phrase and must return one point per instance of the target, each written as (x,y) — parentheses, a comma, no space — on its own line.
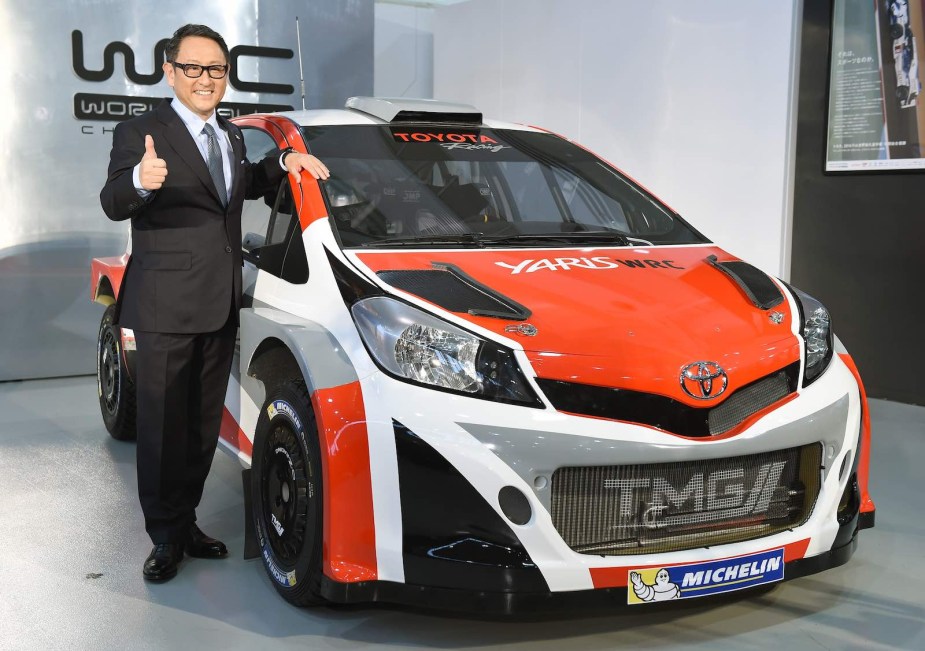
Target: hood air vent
(756,284)
(451,288)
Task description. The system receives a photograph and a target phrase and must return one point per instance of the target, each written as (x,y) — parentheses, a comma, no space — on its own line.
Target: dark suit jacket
(185,270)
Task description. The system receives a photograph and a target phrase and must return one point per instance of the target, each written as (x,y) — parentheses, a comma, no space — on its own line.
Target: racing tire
(286,494)
(902,93)
(896,31)
(114,386)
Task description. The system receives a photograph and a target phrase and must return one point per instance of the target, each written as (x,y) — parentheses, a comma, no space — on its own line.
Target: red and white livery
(479,367)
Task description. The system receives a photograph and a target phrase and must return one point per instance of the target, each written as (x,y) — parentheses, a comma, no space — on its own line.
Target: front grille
(656,508)
(666,413)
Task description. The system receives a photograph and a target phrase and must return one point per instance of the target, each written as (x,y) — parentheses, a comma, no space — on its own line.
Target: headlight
(816,330)
(414,346)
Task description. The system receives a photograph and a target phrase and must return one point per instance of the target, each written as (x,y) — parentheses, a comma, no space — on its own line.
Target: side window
(280,250)
(256,213)
(270,227)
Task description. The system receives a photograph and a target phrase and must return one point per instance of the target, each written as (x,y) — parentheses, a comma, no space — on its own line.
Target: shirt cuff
(136,181)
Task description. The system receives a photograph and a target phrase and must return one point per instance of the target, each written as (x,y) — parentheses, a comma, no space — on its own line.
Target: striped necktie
(215,164)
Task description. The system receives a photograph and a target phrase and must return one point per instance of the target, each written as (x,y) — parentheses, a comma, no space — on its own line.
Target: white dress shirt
(195,125)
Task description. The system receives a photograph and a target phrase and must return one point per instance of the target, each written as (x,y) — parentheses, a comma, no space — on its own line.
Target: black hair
(173,45)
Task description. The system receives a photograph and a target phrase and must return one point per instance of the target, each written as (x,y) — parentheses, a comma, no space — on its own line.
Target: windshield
(413,185)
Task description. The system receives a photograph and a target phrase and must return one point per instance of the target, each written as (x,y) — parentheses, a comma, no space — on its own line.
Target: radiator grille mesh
(747,401)
(653,508)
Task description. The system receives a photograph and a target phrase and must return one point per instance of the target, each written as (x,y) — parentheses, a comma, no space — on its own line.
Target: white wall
(403,63)
(692,99)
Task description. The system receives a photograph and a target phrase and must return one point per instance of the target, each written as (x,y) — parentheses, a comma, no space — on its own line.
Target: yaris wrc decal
(598,262)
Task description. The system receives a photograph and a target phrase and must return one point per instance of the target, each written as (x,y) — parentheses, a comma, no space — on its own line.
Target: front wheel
(286,494)
(116,390)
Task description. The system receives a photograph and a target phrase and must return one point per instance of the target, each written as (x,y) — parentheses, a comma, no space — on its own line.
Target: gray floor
(72,544)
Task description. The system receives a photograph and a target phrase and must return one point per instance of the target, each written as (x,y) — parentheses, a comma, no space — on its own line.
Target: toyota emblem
(525,329)
(704,380)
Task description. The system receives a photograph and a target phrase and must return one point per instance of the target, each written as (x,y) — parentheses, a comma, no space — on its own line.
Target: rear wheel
(286,494)
(116,390)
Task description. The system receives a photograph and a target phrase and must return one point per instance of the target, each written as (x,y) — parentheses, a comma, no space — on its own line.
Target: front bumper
(529,603)
(444,539)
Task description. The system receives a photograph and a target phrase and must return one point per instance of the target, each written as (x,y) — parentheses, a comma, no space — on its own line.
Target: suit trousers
(181,380)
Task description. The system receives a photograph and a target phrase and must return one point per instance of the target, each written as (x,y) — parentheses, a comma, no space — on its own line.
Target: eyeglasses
(194,70)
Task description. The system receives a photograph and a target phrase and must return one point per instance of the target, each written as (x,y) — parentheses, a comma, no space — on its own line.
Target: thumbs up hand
(153,170)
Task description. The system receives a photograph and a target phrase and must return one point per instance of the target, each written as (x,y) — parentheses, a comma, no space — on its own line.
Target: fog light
(515,505)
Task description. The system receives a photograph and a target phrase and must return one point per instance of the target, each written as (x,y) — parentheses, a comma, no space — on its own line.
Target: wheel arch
(104,293)
(272,364)
(106,275)
(280,347)
(274,346)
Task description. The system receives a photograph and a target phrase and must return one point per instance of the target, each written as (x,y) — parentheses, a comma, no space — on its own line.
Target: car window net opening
(390,184)
(272,236)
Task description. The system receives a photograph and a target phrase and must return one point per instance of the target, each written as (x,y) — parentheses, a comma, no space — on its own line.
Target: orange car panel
(349,529)
(618,299)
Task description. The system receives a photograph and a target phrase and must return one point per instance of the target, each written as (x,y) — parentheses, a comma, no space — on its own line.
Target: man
(180,173)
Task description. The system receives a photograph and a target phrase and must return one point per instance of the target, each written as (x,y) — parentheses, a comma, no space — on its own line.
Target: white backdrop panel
(403,62)
(55,151)
(692,99)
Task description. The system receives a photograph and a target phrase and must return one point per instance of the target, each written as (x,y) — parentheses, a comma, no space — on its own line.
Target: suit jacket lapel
(178,137)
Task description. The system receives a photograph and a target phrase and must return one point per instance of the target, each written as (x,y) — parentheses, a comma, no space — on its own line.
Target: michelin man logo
(662,590)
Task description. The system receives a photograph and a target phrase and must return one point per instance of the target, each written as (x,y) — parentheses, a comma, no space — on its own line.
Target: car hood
(628,318)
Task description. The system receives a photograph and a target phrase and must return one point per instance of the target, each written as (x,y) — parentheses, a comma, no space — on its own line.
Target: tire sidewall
(114,421)
(301,578)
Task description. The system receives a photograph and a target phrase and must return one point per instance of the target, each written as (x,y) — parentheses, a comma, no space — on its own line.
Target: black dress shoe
(161,564)
(200,545)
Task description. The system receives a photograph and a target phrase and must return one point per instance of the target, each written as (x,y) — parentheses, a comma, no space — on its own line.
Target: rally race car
(905,56)
(480,367)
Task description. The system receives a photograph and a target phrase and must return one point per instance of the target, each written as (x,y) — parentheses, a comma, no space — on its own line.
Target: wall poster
(876,111)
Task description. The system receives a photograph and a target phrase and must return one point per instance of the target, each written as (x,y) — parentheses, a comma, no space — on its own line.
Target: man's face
(201,95)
